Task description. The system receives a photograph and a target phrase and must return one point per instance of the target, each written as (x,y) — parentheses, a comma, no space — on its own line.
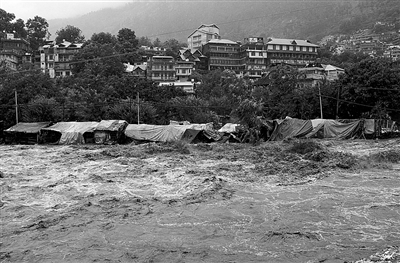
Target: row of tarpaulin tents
(328,129)
(119,131)
(107,132)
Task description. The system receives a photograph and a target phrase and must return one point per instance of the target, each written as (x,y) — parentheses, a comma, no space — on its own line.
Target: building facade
(293,52)
(202,35)
(183,70)
(14,51)
(55,59)
(224,54)
(255,57)
(161,68)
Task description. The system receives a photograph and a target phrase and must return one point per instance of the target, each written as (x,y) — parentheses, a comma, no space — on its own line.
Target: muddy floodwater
(211,204)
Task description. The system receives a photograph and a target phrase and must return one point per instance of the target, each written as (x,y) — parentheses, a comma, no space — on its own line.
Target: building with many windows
(202,35)
(255,57)
(183,70)
(55,59)
(14,51)
(224,54)
(161,68)
(293,52)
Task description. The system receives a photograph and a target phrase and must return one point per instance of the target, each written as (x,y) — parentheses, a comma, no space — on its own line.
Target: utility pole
(16,106)
(320,101)
(337,101)
(138,109)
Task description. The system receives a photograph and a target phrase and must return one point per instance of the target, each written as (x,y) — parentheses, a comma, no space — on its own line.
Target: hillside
(288,18)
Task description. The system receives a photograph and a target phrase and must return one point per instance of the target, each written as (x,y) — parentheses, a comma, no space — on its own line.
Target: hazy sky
(51,9)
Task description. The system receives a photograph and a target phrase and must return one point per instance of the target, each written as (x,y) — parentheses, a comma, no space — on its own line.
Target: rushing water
(98,212)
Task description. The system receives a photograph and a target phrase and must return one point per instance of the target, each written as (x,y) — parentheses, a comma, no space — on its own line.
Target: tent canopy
(291,128)
(111,125)
(28,127)
(72,132)
(165,133)
(333,129)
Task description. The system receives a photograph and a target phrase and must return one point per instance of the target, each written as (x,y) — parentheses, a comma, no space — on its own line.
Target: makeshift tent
(25,132)
(70,132)
(169,133)
(290,128)
(109,131)
(333,129)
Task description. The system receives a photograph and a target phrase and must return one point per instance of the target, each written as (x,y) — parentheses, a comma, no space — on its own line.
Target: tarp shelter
(168,133)
(70,132)
(333,129)
(291,128)
(25,132)
(109,131)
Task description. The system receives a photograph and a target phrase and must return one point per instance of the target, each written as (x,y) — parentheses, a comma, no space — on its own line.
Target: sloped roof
(222,41)
(282,41)
(72,132)
(28,127)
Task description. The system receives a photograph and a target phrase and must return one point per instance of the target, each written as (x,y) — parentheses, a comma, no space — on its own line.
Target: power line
(355,103)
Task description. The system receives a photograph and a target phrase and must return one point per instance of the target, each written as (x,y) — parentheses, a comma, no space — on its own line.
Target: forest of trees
(100,89)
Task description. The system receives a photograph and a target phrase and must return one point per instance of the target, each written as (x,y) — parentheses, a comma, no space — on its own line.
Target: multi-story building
(224,54)
(183,70)
(55,59)
(202,35)
(255,57)
(161,68)
(14,51)
(288,51)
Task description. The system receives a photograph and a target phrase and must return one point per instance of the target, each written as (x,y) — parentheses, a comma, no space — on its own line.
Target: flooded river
(71,204)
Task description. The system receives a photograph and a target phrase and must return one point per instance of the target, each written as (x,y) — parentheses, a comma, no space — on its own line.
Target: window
(260,54)
(291,48)
(297,48)
(253,53)
(68,73)
(303,49)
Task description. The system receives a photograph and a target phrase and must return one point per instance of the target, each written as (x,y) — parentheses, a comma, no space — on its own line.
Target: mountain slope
(310,19)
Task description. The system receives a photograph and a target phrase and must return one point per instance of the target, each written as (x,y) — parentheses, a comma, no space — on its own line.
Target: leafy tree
(5,21)
(127,44)
(40,109)
(192,109)
(103,38)
(71,34)
(8,26)
(173,46)
(144,41)
(37,31)
(371,82)
(157,42)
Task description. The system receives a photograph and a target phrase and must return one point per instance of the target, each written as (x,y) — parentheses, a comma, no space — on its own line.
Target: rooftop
(282,41)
